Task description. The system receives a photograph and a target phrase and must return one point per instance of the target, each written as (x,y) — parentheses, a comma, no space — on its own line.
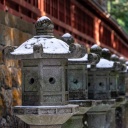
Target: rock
(16,93)
(7,100)
(3,123)
(5,77)
(1,58)
(16,77)
(5,35)
(2,107)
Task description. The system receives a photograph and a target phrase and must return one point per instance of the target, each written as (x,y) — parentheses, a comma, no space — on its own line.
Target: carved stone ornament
(96,49)
(68,38)
(44,26)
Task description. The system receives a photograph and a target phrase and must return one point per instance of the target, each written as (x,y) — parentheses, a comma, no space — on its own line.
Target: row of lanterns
(59,76)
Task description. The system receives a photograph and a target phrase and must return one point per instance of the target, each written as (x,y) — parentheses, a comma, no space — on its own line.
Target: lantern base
(45,116)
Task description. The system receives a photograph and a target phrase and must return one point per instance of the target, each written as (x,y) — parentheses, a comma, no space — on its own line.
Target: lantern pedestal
(45,116)
(101,114)
(120,109)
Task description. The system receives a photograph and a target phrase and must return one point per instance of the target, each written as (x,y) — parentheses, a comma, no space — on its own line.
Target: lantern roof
(50,45)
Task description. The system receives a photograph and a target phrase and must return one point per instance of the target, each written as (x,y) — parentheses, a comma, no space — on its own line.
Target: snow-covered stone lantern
(44,88)
(122,77)
(121,101)
(114,76)
(98,82)
(76,74)
(126,80)
(102,114)
(77,80)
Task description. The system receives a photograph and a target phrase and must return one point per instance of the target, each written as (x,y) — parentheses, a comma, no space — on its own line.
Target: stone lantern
(126,80)
(122,77)
(76,74)
(121,101)
(77,80)
(98,82)
(114,76)
(44,87)
(126,85)
(101,114)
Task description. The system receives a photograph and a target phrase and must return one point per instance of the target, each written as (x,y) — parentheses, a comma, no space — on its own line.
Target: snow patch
(43,18)
(105,49)
(66,35)
(50,46)
(80,59)
(95,46)
(104,63)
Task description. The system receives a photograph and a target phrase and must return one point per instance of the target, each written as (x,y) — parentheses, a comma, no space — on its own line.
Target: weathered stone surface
(16,77)
(5,35)
(7,99)
(23,37)
(1,61)
(5,77)
(12,36)
(74,122)
(16,22)
(16,93)
(13,31)
(12,63)
(126,114)
(2,107)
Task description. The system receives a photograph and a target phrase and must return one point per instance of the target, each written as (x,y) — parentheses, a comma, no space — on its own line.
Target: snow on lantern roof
(67,35)
(80,59)
(50,46)
(95,46)
(126,63)
(122,60)
(68,38)
(88,66)
(105,49)
(104,63)
(44,37)
(96,49)
(114,57)
(43,18)
(44,26)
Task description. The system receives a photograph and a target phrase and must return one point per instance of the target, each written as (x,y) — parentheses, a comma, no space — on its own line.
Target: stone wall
(13,31)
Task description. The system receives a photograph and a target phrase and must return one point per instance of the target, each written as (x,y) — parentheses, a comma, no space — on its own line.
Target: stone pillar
(120,117)
(120,112)
(101,119)
(101,115)
(74,122)
(96,119)
(78,120)
(126,115)
(110,118)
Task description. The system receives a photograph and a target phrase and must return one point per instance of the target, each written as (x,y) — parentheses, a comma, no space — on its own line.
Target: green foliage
(119,10)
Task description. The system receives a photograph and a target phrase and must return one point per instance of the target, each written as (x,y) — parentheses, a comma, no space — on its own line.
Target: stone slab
(45,115)
(12,21)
